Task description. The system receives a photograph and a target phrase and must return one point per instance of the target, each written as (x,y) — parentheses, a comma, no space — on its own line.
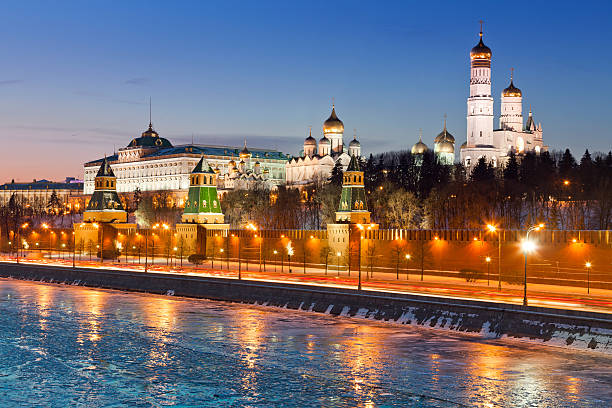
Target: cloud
(137,81)
(10,81)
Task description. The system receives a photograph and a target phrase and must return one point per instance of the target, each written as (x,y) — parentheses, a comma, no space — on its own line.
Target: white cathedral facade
(512,135)
(317,161)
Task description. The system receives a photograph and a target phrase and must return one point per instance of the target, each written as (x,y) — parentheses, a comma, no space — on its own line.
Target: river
(66,346)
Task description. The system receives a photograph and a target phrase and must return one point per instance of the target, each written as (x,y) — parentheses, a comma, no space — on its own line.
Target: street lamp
(46,227)
(23,226)
(494,229)
(588,268)
(488,261)
(338,254)
(528,246)
(275,253)
(221,257)
(289,253)
(407,256)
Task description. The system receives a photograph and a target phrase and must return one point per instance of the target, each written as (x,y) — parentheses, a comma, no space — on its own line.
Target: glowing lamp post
(407,256)
(494,229)
(528,246)
(275,253)
(289,253)
(338,254)
(488,261)
(588,268)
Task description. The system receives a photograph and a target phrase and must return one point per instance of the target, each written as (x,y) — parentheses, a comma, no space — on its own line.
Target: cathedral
(317,161)
(512,135)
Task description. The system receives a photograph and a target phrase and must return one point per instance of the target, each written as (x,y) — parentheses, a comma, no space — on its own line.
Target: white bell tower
(480,102)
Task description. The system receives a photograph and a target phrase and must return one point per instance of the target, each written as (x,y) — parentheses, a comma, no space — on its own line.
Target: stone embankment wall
(575,329)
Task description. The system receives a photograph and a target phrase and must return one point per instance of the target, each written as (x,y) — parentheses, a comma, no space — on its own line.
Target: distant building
(37,193)
(317,162)
(152,163)
(512,135)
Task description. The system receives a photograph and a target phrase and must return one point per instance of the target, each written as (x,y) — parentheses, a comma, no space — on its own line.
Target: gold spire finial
(333,102)
(150,122)
(310,131)
(420,135)
(445,123)
(511,75)
(354,134)
(481,24)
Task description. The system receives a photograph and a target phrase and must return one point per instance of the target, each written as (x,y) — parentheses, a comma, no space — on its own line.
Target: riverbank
(558,327)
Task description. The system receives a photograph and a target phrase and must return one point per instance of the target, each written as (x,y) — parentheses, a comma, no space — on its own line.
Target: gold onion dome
(324,141)
(244,153)
(310,140)
(480,51)
(444,135)
(333,124)
(354,143)
(464,145)
(446,147)
(512,91)
(419,147)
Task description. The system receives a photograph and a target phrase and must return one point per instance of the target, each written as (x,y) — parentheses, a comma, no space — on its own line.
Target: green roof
(105,170)
(354,164)
(203,167)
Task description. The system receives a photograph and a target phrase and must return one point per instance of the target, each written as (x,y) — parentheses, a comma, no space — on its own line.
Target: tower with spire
(484,141)
(202,205)
(353,208)
(480,101)
(105,206)
(511,117)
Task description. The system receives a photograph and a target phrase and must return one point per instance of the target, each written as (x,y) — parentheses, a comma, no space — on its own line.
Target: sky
(76,77)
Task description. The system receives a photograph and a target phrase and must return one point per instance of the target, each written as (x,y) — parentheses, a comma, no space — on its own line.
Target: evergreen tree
(336,174)
(483,171)
(567,164)
(511,171)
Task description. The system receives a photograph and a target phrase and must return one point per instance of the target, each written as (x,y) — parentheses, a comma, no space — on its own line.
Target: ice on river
(71,346)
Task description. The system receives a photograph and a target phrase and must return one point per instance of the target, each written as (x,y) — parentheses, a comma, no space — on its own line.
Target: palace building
(152,163)
(317,161)
(512,135)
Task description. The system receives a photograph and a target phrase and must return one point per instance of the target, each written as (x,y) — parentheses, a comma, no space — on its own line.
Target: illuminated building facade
(37,194)
(512,135)
(317,161)
(152,163)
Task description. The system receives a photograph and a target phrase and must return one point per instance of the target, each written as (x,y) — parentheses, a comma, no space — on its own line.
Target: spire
(354,134)
(481,24)
(421,135)
(511,75)
(353,164)
(445,123)
(150,116)
(202,167)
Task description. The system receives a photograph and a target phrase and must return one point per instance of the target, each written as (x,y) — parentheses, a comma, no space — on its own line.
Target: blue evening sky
(75,77)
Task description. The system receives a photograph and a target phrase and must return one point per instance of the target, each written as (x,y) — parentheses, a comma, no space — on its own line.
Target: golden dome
(310,141)
(444,135)
(324,141)
(446,147)
(333,124)
(511,90)
(419,147)
(480,51)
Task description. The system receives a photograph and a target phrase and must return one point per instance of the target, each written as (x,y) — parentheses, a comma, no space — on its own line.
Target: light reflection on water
(66,346)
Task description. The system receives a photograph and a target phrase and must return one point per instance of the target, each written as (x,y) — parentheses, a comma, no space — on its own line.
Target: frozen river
(72,346)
